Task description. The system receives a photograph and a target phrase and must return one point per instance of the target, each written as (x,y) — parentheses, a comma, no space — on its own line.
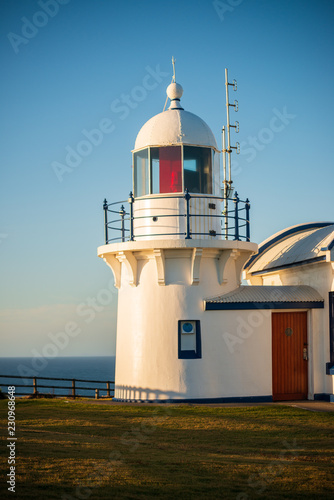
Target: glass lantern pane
(170,169)
(197,164)
(141,174)
(155,170)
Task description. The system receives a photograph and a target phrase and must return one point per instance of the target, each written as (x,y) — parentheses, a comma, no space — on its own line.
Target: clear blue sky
(63,77)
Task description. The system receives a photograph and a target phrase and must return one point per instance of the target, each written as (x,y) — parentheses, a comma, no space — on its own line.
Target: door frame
(309,338)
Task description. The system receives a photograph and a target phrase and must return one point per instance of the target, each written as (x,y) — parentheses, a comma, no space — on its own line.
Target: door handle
(305,353)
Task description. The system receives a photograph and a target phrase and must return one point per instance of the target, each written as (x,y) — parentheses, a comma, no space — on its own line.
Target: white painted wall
(320,276)
(236,345)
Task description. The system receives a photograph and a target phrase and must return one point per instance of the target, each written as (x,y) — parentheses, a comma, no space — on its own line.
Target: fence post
(131,201)
(236,216)
(96,394)
(73,388)
(187,198)
(122,213)
(108,389)
(105,208)
(247,220)
(35,385)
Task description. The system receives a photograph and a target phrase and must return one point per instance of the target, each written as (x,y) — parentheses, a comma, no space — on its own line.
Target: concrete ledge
(138,245)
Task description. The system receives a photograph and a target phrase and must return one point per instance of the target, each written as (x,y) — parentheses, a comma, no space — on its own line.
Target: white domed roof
(303,243)
(175,126)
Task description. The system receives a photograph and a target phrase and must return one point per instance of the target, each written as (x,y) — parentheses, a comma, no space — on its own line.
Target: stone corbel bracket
(159,257)
(195,265)
(115,266)
(224,257)
(130,262)
(114,261)
(239,258)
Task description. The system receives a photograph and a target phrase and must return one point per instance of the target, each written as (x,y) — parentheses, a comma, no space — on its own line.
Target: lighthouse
(181,238)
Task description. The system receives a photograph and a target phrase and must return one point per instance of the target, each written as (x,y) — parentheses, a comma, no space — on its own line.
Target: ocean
(97,368)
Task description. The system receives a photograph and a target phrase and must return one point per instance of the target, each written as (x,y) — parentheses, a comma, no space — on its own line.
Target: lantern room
(178,191)
(175,151)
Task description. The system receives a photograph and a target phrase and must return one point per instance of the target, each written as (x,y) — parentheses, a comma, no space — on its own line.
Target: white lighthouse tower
(179,242)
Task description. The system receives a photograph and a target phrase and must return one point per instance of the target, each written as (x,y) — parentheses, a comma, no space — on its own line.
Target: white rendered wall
(320,276)
(236,345)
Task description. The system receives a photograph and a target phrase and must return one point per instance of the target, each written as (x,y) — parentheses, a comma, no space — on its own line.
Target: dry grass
(68,450)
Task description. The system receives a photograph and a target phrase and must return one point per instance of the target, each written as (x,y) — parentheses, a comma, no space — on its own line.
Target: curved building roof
(296,245)
(175,126)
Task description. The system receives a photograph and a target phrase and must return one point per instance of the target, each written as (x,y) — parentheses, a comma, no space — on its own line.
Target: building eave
(321,258)
(214,306)
(267,297)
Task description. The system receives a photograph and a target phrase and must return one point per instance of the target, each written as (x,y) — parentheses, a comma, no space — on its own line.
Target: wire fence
(40,386)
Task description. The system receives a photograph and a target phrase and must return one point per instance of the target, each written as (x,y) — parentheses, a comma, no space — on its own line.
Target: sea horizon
(65,356)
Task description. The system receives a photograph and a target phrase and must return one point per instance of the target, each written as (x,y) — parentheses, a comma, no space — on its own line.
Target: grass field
(74,450)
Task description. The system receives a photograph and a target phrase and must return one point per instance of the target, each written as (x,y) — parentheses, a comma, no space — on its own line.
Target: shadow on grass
(170,452)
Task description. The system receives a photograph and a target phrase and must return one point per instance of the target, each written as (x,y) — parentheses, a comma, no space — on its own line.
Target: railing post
(122,213)
(187,198)
(131,202)
(247,220)
(96,394)
(225,214)
(108,389)
(236,216)
(105,208)
(73,388)
(35,385)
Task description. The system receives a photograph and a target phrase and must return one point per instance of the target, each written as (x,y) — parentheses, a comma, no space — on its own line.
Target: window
(141,174)
(159,170)
(189,339)
(166,169)
(197,164)
(155,170)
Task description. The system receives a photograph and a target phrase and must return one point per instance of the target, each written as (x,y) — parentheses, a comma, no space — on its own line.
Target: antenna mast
(173,79)
(228,187)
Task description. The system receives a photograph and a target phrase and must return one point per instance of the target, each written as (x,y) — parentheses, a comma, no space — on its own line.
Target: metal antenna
(173,80)
(225,182)
(236,126)
(228,188)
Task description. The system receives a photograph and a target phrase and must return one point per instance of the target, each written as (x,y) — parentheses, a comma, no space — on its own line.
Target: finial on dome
(174,92)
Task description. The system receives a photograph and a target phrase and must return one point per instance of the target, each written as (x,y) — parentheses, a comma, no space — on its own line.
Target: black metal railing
(73,390)
(235,223)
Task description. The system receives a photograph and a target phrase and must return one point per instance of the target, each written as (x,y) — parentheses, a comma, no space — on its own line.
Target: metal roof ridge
(284,234)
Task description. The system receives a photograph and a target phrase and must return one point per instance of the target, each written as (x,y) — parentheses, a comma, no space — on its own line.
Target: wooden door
(289,355)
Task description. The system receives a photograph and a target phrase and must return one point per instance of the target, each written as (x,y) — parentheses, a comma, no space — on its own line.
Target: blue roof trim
(235,306)
(331,245)
(329,369)
(292,264)
(285,234)
(323,396)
